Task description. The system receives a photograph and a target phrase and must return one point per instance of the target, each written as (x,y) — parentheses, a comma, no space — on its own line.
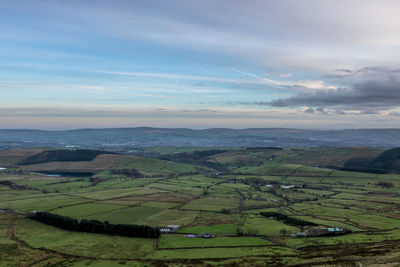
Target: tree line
(63,155)
(388,161)
(94,226)
(286,219)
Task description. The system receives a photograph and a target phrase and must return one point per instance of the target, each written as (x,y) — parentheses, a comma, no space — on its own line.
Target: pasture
(227,205)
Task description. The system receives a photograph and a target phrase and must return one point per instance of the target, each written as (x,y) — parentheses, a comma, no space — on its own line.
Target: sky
(309,64)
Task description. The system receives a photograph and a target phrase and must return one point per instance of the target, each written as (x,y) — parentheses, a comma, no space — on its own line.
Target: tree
(226,211)
(385,184)
(283,232)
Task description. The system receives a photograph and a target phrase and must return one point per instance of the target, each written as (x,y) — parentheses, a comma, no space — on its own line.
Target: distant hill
(63,155)
(9,158)
(388,161)
(87,161)
(218,137)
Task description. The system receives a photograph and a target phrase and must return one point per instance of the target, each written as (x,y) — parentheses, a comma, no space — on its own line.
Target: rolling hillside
(73,161)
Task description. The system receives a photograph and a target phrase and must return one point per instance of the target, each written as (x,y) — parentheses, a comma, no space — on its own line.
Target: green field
(177,241)
(77,211)
(212,229)
(200,199)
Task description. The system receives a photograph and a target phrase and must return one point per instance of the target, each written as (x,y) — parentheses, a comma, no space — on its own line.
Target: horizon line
(193,129)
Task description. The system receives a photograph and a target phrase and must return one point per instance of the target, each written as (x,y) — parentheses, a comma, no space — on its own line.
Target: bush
(385,184)
(283,232)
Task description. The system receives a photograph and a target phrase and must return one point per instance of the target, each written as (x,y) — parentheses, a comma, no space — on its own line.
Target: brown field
(100,163)
(10,158)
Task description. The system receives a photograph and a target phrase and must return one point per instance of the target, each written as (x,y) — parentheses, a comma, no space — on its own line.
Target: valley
(223,193)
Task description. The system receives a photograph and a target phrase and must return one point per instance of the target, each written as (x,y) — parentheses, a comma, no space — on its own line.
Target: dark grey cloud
(369,91)
(310,111)
(396,114)
(371,71)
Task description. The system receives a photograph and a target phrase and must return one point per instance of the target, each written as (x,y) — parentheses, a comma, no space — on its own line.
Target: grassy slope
(104,162)
(333,198)
(10,158)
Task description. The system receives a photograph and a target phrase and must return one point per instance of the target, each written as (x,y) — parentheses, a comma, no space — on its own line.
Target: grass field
(77,211)
(226,204)
(178,241)
(263,226)
(39,235)
(212,229)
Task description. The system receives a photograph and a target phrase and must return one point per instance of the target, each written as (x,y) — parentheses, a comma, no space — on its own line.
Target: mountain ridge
(212,137)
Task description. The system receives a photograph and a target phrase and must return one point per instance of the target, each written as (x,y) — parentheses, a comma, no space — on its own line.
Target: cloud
(370,91)
(67,117)
(152,52)
(95,87)
(281,33)
(249,82)
(394,113)
(152,95)
(297,85)
(255,78)
(309,110)
(285,75)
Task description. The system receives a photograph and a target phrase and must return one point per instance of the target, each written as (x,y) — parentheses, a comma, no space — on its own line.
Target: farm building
(326,231)
(314,232)
(170,229)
